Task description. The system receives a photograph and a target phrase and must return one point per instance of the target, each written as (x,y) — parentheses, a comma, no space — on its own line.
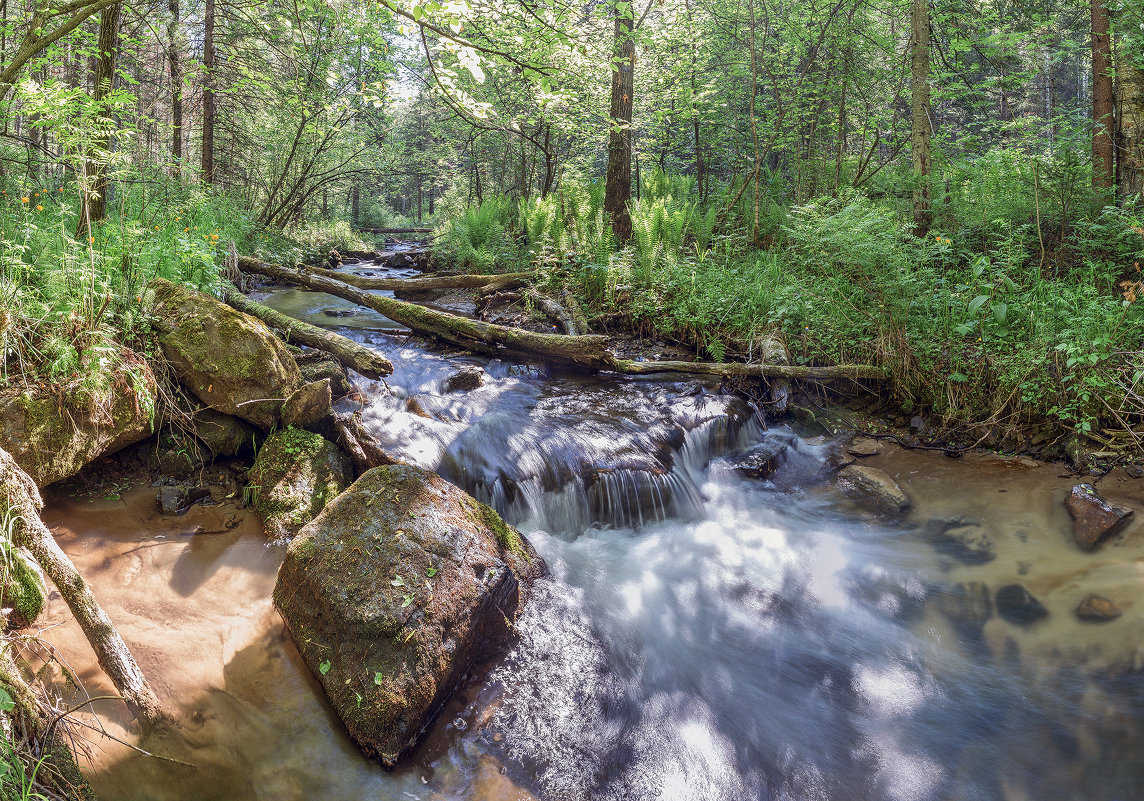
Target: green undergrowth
(1018,308)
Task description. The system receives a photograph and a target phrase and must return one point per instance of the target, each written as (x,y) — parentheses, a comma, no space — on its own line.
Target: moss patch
(505,534)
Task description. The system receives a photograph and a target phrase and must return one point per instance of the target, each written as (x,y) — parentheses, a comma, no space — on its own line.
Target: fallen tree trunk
(20,503)
(364,451)
(588,351)
(365,361)
(583,351)
(410,284)
(555,311)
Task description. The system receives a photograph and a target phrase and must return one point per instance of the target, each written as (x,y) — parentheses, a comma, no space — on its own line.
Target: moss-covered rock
(231,361)
(53,432)
(295,474)
(22,587)
(397,589)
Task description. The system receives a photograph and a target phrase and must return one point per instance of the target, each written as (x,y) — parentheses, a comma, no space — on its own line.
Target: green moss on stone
(506,536)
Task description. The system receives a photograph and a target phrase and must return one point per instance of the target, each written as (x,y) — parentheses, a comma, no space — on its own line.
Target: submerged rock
(1097,609)
(764,459)
(1094,518)
(1017,605)
(865,446)
(464,380)
(52,433)
(962,539)
(176,499)
(229,360)
(295,474)
(968,605)
(394,592)
(874,488)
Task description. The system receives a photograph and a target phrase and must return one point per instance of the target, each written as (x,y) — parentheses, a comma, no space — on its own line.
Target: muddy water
(702,636)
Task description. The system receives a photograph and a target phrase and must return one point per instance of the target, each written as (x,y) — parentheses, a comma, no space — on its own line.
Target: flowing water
(702,635)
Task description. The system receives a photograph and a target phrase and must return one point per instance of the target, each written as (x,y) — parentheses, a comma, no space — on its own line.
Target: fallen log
(583,351)
(364,451)
(588,351)
(365,361)
(555,311)
(418,284)
(20,503)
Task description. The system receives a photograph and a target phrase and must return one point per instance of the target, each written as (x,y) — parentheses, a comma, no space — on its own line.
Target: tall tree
(176,65)
(618,181)
(209,107)
(1102,98)
(920,104)
(96,183)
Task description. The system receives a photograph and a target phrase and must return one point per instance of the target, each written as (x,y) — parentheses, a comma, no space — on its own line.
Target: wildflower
(186,230)
(91,240)
(39,208)
(61,189)
(156,228)
(214,237)
(23,200)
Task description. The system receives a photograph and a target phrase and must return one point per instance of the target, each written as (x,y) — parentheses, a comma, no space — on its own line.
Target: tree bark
(363,450)
(176,65)
(618,182)
(1103,175)
(365,361)
(1130,112)
(209,106)
(920,103)
(21,499)
(589,351)
(95,198)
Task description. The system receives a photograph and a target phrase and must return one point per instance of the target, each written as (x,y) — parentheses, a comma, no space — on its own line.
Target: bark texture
(920,104)
(95,200)
(1102,98)
(1130,100)
(618,183)
(21,498)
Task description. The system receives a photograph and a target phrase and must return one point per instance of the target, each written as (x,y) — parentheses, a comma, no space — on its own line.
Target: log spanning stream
(702,635)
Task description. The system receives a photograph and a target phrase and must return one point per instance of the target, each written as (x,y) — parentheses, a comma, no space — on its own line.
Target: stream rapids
(702,635)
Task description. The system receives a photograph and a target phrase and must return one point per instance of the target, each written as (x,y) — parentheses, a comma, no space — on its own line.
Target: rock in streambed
(394,592)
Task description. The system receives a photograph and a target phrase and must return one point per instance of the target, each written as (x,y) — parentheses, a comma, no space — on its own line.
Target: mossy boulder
(231,361)
(295,474)
(53,432)
(402,585)
(23,592)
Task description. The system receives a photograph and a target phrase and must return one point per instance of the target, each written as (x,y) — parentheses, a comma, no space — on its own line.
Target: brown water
(701,636)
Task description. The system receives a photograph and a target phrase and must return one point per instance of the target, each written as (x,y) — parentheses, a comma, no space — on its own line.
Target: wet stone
(1017,605)
(464,380)
(873,488)
(761,461)
(178,498)
(865,446)
(1097,609)
(968,605)
(339,312)
(1094,518)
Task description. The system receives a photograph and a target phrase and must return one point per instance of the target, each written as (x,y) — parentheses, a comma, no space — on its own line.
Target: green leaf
(378,678)
(6,702)
(407,601)
(431,572)
(1000,312)
(397,582)
(324,667)
(976,304)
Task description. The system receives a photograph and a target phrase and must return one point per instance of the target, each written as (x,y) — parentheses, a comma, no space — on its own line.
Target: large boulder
(53,434)
(1094,517)
(394,592)
(229,360)
(295,474)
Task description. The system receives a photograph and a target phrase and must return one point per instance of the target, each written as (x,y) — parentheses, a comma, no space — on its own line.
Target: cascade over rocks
(53,434)
(231,361)
(295,474)
(394,592)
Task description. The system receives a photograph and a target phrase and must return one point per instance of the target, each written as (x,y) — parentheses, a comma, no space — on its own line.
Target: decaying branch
(364,451)
(20,503)
(365,361)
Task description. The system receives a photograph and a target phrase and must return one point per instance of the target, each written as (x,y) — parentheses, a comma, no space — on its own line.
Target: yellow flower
(23,200)
(156,228)
(214,236)
(185,230)
(39,208)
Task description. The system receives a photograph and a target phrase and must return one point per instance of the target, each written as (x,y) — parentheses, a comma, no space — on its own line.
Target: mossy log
(20,502)
(583,351)
(586,351)
(365,361)
(555,311)
(421,284)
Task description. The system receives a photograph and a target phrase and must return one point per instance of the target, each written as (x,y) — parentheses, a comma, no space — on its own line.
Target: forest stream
(702,635)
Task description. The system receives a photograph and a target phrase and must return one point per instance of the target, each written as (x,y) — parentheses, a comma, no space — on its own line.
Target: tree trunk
(176,65)
(1103,174)
(920,103)
(209,107)
(365,361)
(1130,110)
(20,503)
(618,183)
(95,169)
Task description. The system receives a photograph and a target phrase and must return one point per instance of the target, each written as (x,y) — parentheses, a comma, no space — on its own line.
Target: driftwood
(555,311)
(587,351)
(364,451)
(20,502)
(365,361)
